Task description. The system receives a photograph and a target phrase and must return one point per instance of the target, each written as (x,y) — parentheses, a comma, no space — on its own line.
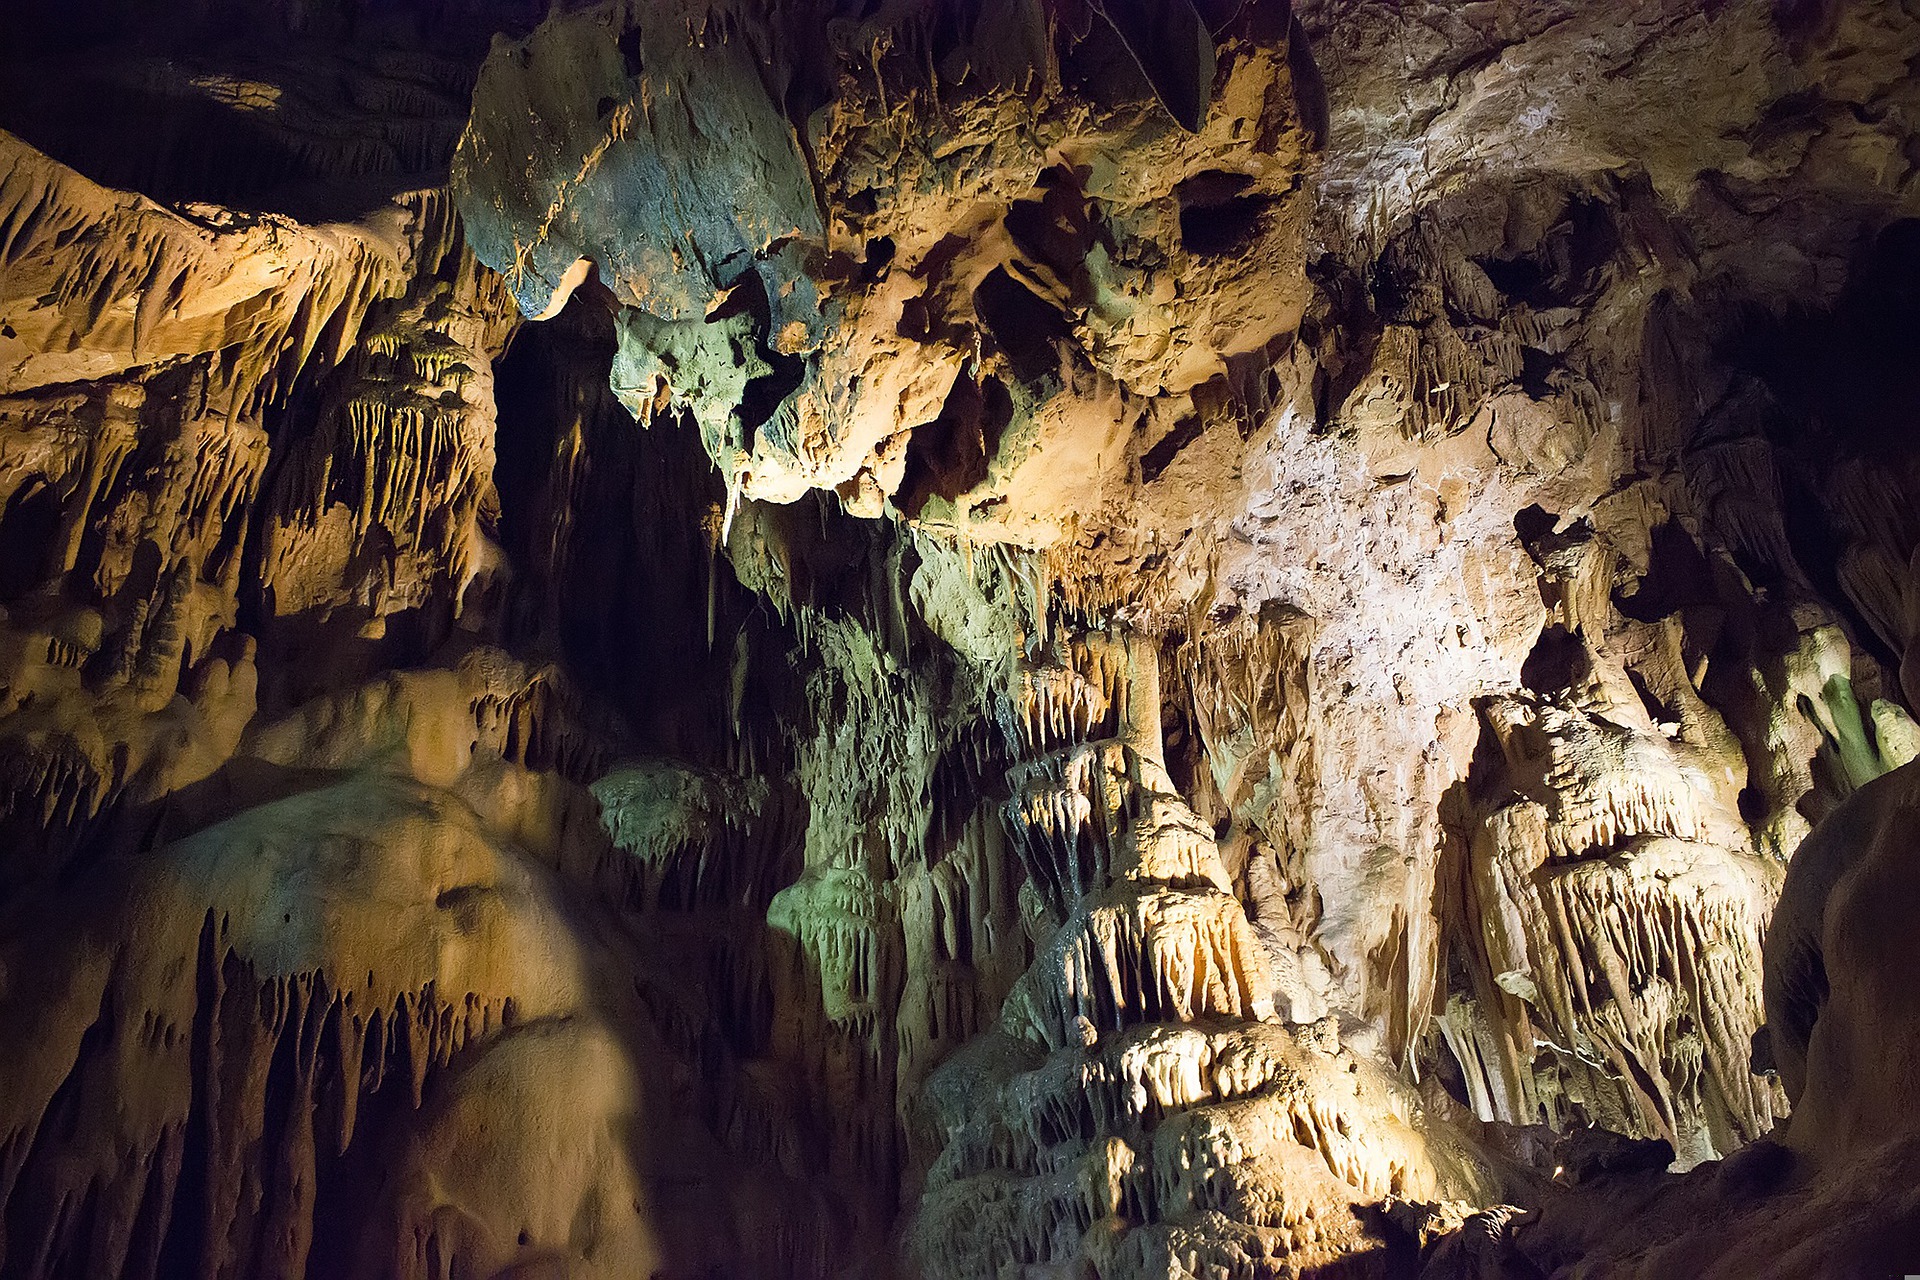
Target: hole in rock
(1536,368)
(1515,277)
(878,256)
(1534,523)
(1054,227)
(763,396)
(1024,326)
(1215,216)
(953,453)
(1848,372)
(1558,661)
(1157,459)
(1567,266)
(1677,576)
(1656,707)
(27,530)
(629,46)
(1816,547)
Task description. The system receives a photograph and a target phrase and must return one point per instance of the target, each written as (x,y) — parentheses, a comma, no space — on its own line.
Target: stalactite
(281,1054)
(1317,591)
(1620,922)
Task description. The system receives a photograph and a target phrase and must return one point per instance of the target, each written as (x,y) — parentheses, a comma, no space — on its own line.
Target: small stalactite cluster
(119,281)
(126,525)
(392,491)
(218,1091)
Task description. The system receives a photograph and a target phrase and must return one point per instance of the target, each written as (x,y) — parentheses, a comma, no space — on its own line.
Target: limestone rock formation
(938,259)
(958,639)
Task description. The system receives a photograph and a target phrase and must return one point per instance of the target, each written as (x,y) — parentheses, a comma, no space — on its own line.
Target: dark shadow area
(27,530)
(1215,217)
(321,111)
(953,453)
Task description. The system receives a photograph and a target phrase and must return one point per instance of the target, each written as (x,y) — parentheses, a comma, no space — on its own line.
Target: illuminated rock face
(933,639)
(942,260)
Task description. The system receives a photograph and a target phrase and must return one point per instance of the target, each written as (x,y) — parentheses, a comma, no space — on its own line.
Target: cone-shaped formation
(1022,638)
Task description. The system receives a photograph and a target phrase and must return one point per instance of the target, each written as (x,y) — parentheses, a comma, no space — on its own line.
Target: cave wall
(954,640)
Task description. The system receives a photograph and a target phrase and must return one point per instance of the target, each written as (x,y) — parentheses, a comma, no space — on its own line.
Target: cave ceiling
(950,639)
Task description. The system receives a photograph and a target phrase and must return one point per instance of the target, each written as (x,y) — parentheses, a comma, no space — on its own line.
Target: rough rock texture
(936,639)
(942,260)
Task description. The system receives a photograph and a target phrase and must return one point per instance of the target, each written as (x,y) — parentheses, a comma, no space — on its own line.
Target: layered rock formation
(1042,638)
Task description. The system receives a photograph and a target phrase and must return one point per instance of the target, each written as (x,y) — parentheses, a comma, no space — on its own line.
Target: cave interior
(959,639)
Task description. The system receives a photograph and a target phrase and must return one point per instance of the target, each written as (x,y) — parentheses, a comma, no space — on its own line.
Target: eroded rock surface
(1043,638)
(941,259)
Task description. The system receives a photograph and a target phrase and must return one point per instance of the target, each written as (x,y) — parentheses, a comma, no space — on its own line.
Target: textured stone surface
(990,251)
(958,640)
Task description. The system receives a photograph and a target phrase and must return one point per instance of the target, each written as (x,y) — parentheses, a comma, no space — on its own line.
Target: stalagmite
(1020,639)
